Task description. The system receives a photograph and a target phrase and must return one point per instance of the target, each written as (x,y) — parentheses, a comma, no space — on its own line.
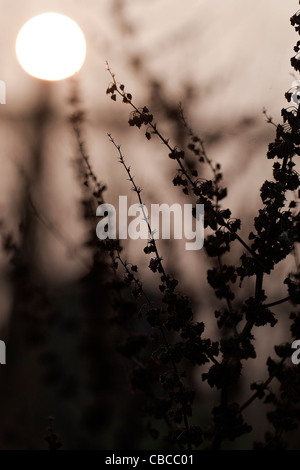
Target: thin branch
(63,238)
(138,192)
(278,302)
(269,119)
(264,385)
(91,179)
(165,141)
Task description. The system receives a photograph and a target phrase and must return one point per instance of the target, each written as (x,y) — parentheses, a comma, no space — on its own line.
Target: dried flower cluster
(178,341)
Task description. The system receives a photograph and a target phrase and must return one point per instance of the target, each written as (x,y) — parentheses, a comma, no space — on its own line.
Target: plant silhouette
(178,340)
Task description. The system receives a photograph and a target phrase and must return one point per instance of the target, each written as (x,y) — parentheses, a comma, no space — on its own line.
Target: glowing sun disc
(51,46)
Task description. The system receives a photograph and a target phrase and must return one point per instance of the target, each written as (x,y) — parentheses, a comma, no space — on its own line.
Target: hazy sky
(235,57)
(235,54)
(239,49)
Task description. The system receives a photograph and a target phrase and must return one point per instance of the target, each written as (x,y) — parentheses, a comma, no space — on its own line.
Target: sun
(51,46)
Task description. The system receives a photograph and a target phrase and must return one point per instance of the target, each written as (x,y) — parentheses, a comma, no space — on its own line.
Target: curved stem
(278,302)
(162,270)
(255,395)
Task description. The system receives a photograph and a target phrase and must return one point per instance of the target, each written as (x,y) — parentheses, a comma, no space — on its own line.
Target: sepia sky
(239,50)
(223,61)
(235,57)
